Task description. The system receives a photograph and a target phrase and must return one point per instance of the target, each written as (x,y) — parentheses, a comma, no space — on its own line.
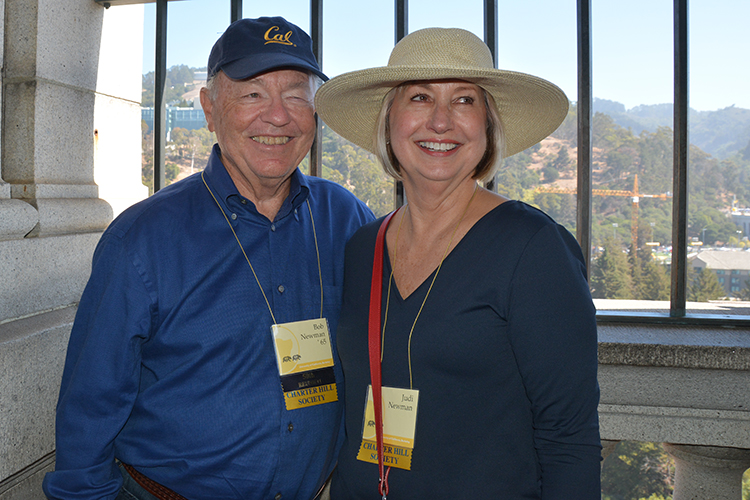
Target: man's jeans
(132,490)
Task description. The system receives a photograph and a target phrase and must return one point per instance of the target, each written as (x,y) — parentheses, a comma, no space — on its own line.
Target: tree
(357,170)
(147,157)
(177,81)
(561,162)
(561,207)
(550,174)
(610,274)
(712,223)
(171,171)
(744,294)
(371,185)
(655,284)
(650,279)
(515,177)
(705,287)
(637,470)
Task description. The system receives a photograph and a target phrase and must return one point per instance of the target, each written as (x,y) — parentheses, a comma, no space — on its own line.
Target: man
(200,364)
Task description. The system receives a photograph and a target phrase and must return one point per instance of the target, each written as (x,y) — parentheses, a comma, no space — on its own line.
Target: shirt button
(273,227)
(278,496)
(281,288)
(290,427)
(234,216)
(243,201)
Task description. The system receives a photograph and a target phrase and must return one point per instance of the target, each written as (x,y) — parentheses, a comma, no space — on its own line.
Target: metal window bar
(160,106)
(681,147)
(490,38)
(678,313)
(401,29)
(316,33)
(584,111)
(681,144)
(236,10)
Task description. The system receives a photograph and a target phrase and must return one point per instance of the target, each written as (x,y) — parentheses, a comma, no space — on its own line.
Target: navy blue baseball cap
(250,47)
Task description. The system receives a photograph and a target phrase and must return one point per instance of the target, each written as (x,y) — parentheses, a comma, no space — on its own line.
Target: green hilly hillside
(720,133)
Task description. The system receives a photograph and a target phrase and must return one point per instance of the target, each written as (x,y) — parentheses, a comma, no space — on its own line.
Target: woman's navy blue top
(504,356)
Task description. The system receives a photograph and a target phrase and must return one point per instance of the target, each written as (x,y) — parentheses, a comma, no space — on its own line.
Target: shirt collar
(220,181)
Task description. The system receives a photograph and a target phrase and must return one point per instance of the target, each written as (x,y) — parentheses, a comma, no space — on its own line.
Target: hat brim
(530,107)
(248,67)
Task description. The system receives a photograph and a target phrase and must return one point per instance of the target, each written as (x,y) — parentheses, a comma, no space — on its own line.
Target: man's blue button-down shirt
(171,366)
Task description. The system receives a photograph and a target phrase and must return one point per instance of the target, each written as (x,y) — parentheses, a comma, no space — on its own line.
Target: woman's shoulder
(367,233)
(518,217)
(514,227)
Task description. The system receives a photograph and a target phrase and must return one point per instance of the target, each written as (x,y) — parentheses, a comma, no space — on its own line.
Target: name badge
(305,361)
(399,427)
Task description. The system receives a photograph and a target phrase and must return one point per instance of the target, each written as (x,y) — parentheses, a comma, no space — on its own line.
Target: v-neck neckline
(389,267)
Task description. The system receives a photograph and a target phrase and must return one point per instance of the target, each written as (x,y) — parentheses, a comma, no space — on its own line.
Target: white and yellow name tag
(399,427)
(305,361)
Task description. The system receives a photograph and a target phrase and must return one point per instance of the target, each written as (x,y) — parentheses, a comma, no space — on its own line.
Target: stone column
(56,92)
(703,472)
(51,66)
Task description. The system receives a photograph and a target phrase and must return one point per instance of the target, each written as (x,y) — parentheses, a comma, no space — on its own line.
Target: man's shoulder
(337,196)
(166,206)
(364,238)
(320,185)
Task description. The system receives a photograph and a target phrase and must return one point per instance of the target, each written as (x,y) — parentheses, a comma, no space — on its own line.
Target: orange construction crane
(634,194)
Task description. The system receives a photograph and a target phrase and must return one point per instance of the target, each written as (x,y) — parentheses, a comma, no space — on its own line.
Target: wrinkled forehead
(282,77)
(282,80)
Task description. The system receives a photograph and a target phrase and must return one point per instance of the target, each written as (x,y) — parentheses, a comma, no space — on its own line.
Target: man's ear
(207,106)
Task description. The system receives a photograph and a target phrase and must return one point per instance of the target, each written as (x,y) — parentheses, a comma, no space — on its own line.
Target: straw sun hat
(530,108)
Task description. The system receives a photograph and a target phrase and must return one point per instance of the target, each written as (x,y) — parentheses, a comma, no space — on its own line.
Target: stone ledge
(11,331)
(40,190)
(27,286)
(27,483)
(674,346)
(17,219)
(59,216)
(724,428)
(32,354)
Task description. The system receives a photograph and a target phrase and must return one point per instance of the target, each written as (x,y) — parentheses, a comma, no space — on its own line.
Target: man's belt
(156,489)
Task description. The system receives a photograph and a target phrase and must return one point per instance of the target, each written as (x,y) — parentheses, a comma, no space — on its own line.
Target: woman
(487,331)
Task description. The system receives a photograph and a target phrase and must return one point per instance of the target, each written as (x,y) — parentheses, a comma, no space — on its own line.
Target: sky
(632,61)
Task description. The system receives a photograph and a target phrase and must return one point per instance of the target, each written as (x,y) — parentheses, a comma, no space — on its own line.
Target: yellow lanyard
(317,251)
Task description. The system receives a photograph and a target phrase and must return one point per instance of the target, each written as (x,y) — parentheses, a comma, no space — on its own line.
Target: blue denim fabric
(132,490)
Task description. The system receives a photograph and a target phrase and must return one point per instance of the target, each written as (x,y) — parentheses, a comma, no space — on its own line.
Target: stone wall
(70,160)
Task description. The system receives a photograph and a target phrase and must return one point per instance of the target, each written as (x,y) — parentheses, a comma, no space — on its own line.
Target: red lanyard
(374,332)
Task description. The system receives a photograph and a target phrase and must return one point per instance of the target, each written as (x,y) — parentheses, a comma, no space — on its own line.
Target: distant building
(741,217)
(187,118)
(732,268)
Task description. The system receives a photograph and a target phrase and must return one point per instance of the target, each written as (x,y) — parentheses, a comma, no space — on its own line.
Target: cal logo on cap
(278,37)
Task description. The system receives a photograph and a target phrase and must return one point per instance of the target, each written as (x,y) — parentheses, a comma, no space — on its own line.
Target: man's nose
(276,112)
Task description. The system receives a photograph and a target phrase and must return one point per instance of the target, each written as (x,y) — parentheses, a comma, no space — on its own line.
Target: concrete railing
(686,387)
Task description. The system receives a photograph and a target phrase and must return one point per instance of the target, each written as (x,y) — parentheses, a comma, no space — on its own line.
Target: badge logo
(278,37)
